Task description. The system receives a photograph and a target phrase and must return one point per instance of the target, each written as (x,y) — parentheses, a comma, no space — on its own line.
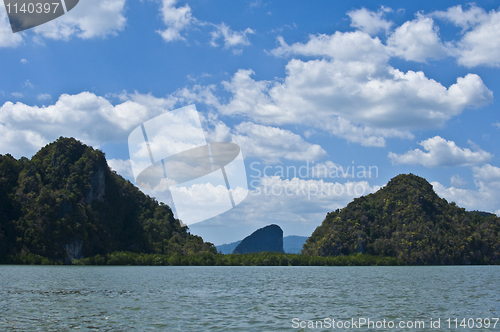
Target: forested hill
(66,203)
(408,221)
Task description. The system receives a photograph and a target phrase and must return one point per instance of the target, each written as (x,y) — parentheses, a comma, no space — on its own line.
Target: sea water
(129,298)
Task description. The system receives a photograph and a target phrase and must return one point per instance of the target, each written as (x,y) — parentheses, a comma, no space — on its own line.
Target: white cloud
(17,95)
(417,40)
(44,96)
(484,197)
(24,61)
(7,37)
(328,169)
(328,195)
(441,152)
(218,131)
(198,94)
(354,46)
(362,134)
(122,167)
(301,100)
(369,21)
(473,145)
(179,19)
(464,19)
(481,45)
(89,19)
(497,124)
(487,173)
(176,19)
(20,142)
(200,201)
(231,38)
(271,144)
(85,116)
(363,100)
(293,201)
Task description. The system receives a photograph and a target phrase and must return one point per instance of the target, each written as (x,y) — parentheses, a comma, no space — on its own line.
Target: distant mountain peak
(66,203)
(410,184)
(406,219)
(268,238)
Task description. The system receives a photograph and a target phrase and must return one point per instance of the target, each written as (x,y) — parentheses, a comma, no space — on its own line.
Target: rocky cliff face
(73,250)
(97,182)
(269,238)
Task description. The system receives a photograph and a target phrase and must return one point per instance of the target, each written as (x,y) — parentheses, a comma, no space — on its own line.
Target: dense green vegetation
(408,221)
(292,244)
(66,203)
(256,259)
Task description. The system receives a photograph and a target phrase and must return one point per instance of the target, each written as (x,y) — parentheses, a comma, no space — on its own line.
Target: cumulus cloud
(89,19)
(231,38)
(480,43)
(85,116)
(464,19)
(481,46)
(328,195)
(271,144)
(484,197)
(369,21)
(299,202)
(176,19)
(216,130)
(354,46)
(122,167)
(361,100)
(198,94)
(296,205)
(487,173)
(441,152)
(20,142)
(417,40)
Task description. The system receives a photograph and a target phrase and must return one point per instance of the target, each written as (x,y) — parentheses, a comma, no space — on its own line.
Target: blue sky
(398,87)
